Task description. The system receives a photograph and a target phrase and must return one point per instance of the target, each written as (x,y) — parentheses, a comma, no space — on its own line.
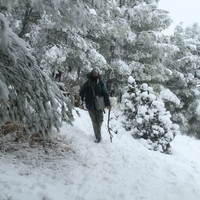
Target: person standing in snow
(94,86)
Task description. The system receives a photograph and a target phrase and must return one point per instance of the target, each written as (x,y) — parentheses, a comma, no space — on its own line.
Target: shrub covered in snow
(147,117)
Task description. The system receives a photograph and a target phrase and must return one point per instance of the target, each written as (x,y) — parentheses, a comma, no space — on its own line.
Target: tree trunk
(25,20)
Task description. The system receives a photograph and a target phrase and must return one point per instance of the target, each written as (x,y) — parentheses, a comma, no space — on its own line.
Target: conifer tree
(184,80)
(27,94)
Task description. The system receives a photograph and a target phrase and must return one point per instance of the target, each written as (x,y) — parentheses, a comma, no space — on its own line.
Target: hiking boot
(97,140)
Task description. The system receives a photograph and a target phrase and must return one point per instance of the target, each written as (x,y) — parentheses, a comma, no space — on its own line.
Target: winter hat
(95,71)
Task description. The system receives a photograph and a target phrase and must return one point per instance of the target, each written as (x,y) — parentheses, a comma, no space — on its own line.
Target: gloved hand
(81,106)
(109,107)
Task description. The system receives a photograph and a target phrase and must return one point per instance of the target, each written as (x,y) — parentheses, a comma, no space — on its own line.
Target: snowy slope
(79,169)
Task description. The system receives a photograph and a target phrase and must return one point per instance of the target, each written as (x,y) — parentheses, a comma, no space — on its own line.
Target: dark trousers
(97,120)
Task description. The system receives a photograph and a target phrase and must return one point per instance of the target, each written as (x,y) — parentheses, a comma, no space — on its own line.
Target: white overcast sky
(186,11)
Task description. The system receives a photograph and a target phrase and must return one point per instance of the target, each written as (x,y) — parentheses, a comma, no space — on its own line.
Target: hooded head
(95,74)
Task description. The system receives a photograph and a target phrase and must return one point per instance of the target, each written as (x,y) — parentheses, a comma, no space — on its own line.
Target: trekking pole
(109,129)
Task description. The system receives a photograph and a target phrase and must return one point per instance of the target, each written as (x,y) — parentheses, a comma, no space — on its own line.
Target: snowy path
(125,169)
(121,170)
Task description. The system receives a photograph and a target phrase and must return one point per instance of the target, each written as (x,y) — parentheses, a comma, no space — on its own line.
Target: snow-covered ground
(73,167)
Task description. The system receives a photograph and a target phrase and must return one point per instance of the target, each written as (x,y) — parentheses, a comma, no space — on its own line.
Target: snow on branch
(27,94)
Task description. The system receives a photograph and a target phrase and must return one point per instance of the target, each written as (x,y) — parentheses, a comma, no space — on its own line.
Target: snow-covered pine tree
(139,43)
(27,95)
(147,117)
(185,78)
(68,37)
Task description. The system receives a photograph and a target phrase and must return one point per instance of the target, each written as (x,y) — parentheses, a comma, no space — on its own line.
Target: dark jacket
(99,89)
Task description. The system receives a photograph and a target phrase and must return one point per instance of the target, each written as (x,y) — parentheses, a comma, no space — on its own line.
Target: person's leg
(97,120)
(99,116)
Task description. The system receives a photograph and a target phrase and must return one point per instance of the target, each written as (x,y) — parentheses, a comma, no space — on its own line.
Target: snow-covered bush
(147,117)
(27,95)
